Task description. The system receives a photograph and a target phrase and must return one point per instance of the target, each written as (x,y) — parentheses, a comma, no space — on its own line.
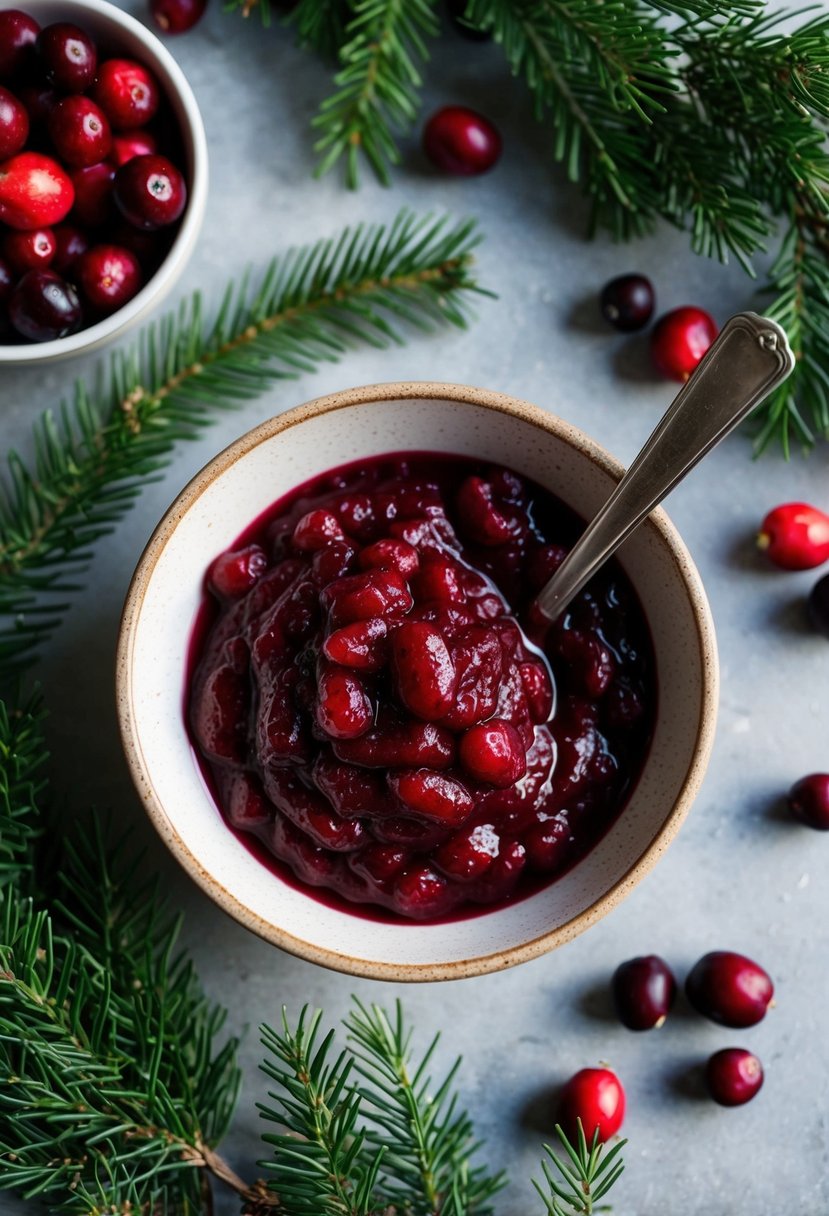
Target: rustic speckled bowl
(232,491)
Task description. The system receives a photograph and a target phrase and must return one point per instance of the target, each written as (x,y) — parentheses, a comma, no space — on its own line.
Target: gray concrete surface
(739,876)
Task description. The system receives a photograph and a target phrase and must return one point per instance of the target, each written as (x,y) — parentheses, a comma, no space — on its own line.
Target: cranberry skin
(68,56)
(132,143)
(643,992)
(680,339)
(493,752)
(627,302)
(108,276)
(14,124)
(80,132)
(93,194)
(18,35)
(461,141)
(425,676)
(70,243)
(808,801)
(795,536)
(43,306)
(733,1076)
(177,16)
(126,92)
(39,101)
(596,1097)
(818,605)
(730,989)
(27,250)
(35,192)
(150,192)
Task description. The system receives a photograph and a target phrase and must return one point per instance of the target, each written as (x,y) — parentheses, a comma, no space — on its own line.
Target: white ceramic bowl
(227,496)
(122,33)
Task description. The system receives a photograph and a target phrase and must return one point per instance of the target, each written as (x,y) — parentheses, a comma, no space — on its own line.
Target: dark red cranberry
(234,573)
(596,1097)
(818,605)
(70,243)
(108,277)
(150,192)
(493,752)
(627,302)
(43,306)
(425,676)
(7,281)
(126,92)
(68,56)
(93,194)
(80,131)
(461,141)
(643,991)
(809,801)
(28,250)
(457,15)
(729,988)
(132,143)
(18,35)
(177,16)
(680,339)
(733,1076)
(795,536)
(14,124)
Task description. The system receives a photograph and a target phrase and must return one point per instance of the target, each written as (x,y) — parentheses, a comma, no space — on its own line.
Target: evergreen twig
(576,1182)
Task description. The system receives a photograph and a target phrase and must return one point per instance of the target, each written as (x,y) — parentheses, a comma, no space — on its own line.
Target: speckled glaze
(233,490)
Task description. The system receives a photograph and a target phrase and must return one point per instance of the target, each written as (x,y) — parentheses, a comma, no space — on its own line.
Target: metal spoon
(748,360)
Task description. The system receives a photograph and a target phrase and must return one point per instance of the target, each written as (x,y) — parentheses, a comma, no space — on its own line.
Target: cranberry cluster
(372,711)
(85,180)
(678,340)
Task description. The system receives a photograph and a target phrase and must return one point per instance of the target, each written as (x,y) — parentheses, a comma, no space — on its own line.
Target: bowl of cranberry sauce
(343,715)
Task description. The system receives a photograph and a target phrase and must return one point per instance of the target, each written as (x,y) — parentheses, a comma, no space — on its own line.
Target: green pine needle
(574,1184)
(23,758)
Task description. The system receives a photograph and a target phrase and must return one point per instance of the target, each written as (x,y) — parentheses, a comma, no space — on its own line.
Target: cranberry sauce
(368,708)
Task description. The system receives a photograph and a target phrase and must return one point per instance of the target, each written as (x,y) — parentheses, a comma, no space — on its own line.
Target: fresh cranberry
(733,1076)
(234,574)
(461,141)
(43,306)
(93,194)
(127,93)
(596,1097)
(28,250)
(177,16)
(68,56)
(70,243)
(493,752)
(680,339)
(150,192)
(132,143)
(108,277)
(35,192)
(795,536)
(818,605)
(729,988)
(14,124)
(18,35)
(809,801)
(627,302)
(79,131)
(643,992)
(457,15)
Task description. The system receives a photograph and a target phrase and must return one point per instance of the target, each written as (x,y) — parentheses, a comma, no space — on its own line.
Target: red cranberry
(79,131)
(126,92)
(358,597)
(627,302)
(809,801)
(680,339)
(425,675)
(316,530)
(150,192)
(729,988)
(733,1076)
(461,141)
(43,306)
(457,15)
(795,536)
(344,710)
(177,16)
(390,555)
(361,645)
(643,991)
(27,250)
(493,752)
(819,606)
(594,1096)
(68,56)
(108,277)
(433,796)
(14,124)
(18,35)
(35,192)
(132,143)
(70,243)
(233,574)
(93,194)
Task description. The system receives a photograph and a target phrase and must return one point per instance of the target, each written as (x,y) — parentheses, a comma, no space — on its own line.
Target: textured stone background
(739,876)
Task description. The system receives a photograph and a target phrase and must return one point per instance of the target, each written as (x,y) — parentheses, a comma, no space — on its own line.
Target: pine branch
(92,460)
(320,24)
(23,759)
(581,1181)
(377,85)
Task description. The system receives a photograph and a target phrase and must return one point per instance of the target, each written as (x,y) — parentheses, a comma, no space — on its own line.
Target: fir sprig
(23,758)
(369,285)
(575,1185)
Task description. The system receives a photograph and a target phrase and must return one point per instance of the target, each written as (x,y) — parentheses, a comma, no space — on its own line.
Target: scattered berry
(680,339)
(643,991)
(729,988)
(596,1097)
(733,1076)
(819,605)
(150,192)
(43,306)
(68,56)
(627,302)
(795,536)
(177,16)
(14,124)
(808,801)
(461,141)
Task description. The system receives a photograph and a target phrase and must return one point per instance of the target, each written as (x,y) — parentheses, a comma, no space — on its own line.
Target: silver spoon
(748,360)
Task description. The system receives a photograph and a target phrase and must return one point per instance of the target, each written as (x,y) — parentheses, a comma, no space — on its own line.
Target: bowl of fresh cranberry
(346,718)
(103,176)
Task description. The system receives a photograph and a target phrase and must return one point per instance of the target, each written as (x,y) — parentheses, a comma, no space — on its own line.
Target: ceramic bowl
(122,34)
(235,488)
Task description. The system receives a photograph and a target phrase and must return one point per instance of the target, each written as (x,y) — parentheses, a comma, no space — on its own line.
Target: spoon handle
(748,360)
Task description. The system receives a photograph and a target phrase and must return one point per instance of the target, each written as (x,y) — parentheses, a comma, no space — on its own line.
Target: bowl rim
(211,885)
(194,139)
